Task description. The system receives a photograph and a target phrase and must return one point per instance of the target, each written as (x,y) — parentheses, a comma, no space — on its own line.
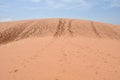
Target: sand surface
(59,49)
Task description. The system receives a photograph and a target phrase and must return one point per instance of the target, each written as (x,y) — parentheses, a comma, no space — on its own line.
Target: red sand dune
(59,49)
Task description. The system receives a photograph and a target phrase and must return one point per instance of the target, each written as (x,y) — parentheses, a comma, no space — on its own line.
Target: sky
(107,11)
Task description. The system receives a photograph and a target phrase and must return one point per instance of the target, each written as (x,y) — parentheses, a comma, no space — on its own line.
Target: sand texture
(59,49)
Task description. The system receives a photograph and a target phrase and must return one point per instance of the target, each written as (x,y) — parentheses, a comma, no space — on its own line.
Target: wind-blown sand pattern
(59,49)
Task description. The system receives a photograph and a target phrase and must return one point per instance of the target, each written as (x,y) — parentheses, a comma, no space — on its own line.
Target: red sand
(54,49)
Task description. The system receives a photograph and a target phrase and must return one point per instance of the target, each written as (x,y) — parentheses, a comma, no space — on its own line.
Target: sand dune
(12,31)
(59,49)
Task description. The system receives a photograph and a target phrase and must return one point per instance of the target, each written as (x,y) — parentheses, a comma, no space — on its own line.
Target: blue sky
(107,11)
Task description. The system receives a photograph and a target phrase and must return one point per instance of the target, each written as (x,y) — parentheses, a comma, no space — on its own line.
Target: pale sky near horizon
(107,11)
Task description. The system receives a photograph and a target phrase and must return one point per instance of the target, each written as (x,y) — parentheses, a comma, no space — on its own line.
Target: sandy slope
(66,49)
(12,31)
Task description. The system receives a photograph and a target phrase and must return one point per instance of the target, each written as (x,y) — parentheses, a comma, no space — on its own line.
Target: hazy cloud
(73,3)
(36,1)
(76,3)
(62,3)
(68,3)
(6,19)
(115,3)
(110,3)
(31,0)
